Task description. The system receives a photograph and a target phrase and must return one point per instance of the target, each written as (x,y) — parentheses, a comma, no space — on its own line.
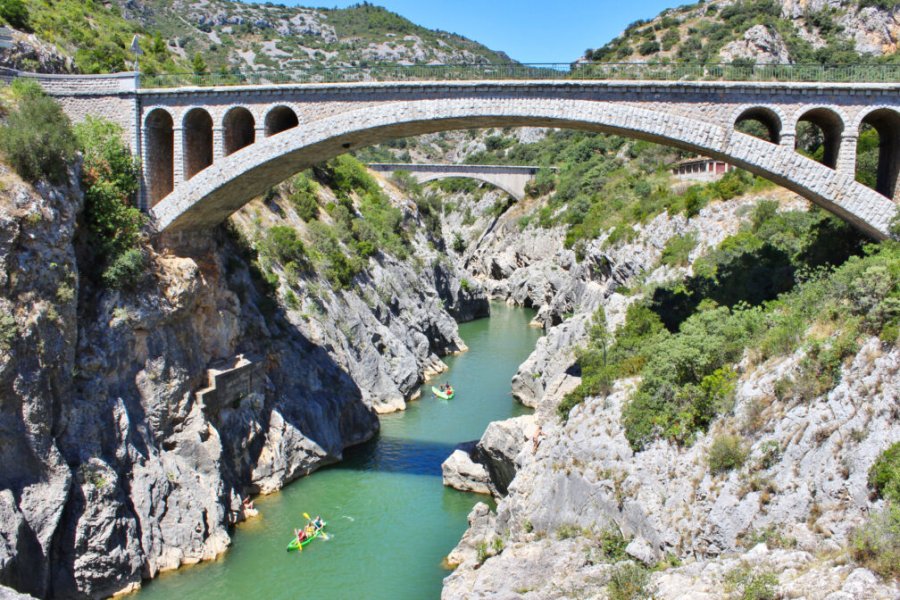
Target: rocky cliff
(135,422)
(583,507)
(761,31)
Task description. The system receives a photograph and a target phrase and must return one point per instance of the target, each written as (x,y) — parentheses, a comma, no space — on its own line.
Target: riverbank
(391,520)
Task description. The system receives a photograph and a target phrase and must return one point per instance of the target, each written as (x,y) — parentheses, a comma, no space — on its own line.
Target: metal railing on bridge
(736,72)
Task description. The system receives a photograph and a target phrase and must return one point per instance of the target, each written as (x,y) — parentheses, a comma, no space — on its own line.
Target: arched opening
(760,122)
(160,139)
(280,118)
(819,135)
(877,152)
(239,129)
(467,184)
(198,142)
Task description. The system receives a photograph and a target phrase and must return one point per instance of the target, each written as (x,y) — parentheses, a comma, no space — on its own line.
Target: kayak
(443,395)
(295,545)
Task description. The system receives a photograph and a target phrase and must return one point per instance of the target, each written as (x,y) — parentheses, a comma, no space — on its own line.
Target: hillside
(762,31)
(182,36)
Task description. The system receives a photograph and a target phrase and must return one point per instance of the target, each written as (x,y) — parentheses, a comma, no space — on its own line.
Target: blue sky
(527,30)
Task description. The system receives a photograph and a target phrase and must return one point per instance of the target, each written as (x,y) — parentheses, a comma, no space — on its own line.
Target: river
(390,520)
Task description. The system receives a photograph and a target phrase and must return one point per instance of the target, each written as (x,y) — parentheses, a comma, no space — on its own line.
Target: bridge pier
(218,143)
(846,162)
(178,154)
(788,139)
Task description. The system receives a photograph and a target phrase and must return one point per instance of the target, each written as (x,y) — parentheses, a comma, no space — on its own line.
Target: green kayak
(295,545)
(441,394)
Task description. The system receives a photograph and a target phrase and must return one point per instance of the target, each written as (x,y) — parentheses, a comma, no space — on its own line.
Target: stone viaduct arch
(200,163)
(224,187)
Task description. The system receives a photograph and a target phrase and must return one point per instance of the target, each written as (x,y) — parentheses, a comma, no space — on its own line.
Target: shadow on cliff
(309,390)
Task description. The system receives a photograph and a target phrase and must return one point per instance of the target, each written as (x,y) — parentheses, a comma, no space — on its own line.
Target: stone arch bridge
(511,179)
(206,151)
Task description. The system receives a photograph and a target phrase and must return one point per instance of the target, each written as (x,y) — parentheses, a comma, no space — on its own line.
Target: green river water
(390,520)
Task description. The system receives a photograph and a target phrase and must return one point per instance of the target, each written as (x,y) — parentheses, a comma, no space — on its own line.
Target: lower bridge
(511,179)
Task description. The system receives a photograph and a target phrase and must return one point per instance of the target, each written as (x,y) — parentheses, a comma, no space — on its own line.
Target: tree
(198,65)
(15,13)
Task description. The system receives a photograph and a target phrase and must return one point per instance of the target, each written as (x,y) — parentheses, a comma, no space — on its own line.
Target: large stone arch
(226,186)
(159,150)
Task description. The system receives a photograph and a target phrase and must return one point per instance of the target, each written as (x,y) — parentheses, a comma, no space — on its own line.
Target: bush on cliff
(15,13)
(36,139)
(877,543)
(884,476)
(110,182)
(687,368)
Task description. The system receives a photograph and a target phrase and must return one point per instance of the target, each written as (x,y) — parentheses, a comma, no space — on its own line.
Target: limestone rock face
(133,423)
(11,594)
(29,53)
(803,485)
(500,445)
(462,473)
(760,43)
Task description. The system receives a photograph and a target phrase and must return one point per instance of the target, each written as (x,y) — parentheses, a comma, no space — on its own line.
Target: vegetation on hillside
(39,142)
(605,183)
(768,290)
(232,36)
(110,177)
(696,33)
(344,231)
(36,137)
(876,544)
(95,34)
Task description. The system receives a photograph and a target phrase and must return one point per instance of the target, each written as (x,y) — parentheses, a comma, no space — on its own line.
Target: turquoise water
(390,520)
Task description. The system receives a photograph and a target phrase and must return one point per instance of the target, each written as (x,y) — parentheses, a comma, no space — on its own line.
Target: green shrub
(727,452)
(304,197)
(876,545)
(125,270)
(613,544)
(750,584)
(283,245)
(37,139)
(567,531)
(884,476)
(677,250)
(649,47)
(8,332)
(894,228)
(15,13)
(109,178)
(459,244)
(482,552)
(629,581)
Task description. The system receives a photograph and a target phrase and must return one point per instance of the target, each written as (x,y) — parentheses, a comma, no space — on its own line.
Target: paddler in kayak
(301,535)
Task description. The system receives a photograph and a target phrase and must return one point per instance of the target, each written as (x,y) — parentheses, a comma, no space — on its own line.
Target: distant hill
(762,31)
(182,35)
